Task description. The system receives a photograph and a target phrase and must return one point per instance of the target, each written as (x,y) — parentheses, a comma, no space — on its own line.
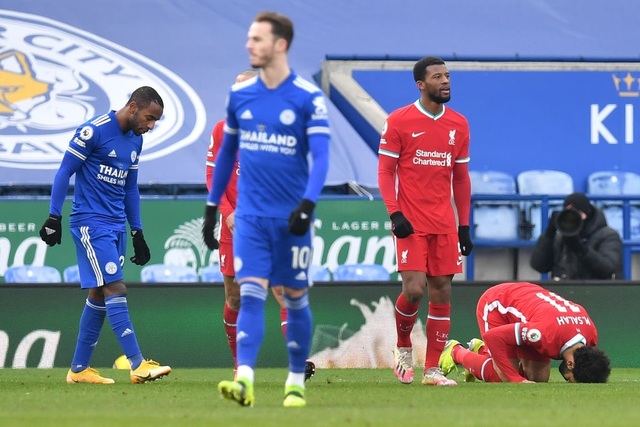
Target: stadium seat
(211,273)
(495,220)
(360,273)
(71,274)
(32,274)
(319,273)
(164,273)
(615,183)
(543,182)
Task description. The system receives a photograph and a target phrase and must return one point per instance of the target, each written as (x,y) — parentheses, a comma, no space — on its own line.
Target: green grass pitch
(335,397)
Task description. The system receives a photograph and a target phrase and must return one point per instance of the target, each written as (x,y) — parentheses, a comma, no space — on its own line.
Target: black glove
(551,227)
(209,226)
(141,253)
(51,231)
(466,245)
(400,225)
(300,218)
(575,244)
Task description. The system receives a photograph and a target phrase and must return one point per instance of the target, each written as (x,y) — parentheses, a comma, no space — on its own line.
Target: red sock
(480,365)
(229,317)
(283,321)
(406,314)
(438,326)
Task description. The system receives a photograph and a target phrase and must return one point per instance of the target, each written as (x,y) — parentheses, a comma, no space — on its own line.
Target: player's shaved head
(145,95)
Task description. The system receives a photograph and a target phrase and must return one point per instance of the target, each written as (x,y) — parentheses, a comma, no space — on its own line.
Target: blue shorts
(100,254)
(266,249)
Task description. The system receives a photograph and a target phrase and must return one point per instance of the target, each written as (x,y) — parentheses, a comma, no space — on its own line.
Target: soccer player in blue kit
(103,154)
(274,121)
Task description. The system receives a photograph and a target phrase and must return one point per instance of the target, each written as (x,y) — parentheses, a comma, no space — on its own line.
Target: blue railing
(629,246)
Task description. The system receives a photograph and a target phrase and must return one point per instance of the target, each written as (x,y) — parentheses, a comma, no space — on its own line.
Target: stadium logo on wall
(186,247)
(627,85)
(53,77)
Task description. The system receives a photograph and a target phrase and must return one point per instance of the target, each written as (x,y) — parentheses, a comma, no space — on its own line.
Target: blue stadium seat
(71,274)
(319,273)
(360,273)
(543,182)
(164,273)
(614,183)
(32,274)
(211,273)
(495,220)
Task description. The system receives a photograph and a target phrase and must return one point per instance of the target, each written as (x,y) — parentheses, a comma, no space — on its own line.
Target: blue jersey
(103,160)
(274,131)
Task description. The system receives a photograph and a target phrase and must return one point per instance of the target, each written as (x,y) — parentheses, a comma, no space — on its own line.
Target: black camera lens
(569,222)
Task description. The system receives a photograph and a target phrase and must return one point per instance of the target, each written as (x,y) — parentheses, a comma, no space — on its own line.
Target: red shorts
(435,254)
(225,257)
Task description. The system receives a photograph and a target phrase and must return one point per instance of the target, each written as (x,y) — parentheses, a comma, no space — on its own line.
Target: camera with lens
(569,222)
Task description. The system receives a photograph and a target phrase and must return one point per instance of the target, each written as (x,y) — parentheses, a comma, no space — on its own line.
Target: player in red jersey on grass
(225,241)
(523,326)
(423,165)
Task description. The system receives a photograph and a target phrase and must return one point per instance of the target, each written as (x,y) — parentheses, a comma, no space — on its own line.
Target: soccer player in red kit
(524,326)
(225,239)
(423,161)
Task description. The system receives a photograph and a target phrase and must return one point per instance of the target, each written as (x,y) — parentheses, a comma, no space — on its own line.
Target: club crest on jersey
(287,117)
(55,77)
(134,155)
(452,137)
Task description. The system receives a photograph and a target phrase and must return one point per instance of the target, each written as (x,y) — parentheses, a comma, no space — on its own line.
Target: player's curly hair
(591,365)
(420,69)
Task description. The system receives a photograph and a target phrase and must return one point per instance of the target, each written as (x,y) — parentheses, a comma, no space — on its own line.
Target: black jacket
(602,258)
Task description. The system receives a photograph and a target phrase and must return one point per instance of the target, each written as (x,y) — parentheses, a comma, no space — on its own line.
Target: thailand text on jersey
(426,148)
(272,127)
(107,156)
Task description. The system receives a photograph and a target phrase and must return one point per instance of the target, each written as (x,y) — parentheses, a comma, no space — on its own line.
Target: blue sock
(118,313)
(90,326)
(250,324)
(299,330)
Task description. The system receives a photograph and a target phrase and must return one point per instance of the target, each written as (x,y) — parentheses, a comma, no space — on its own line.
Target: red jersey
(526,315)
(228,200)
(418,158)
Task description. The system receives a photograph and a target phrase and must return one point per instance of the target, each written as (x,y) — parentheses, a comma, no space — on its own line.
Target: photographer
(578,244)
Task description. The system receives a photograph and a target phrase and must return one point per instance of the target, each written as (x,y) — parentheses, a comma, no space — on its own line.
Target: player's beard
(436,97)
(136,128)
(261,61)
